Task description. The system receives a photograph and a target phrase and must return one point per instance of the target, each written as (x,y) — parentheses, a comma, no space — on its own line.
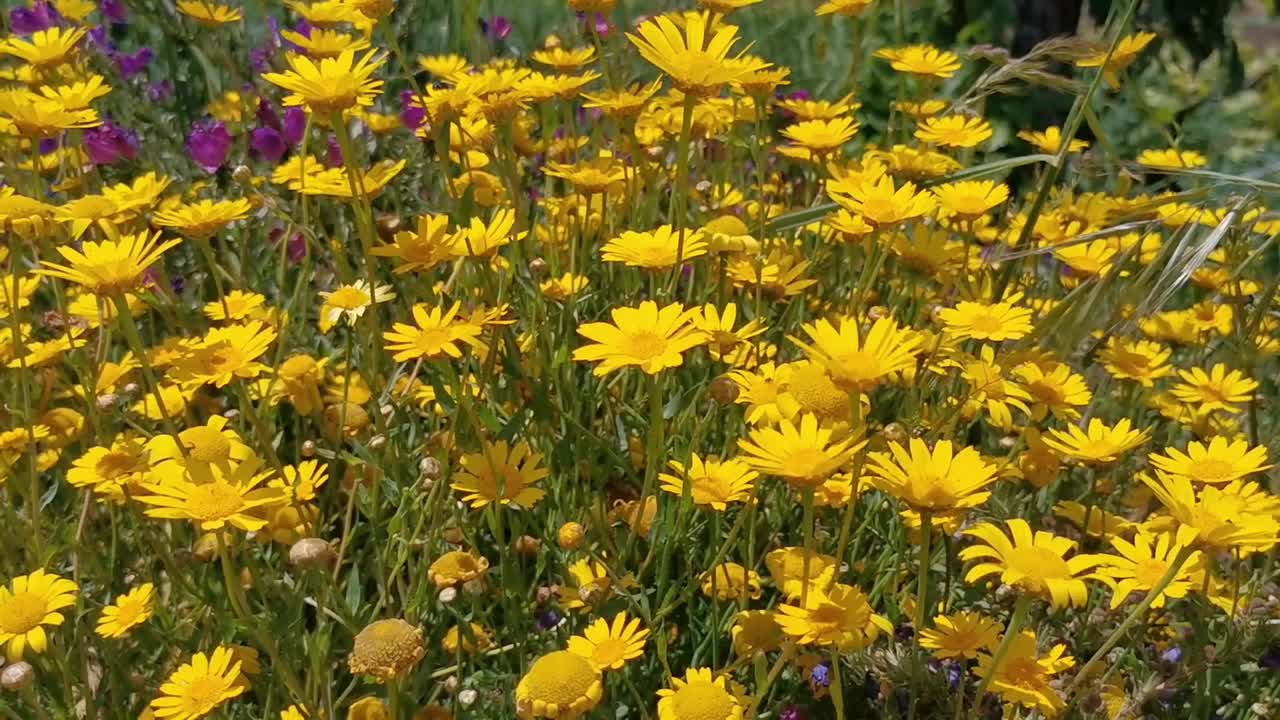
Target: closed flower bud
(451,684)
(377,442)
(311,554)
(571,535)
(242,174)
(538,267)
(205,549)
(17,677)
(105,402)
(448,595)
(527,545)
(467,697)
(430,468)
(895,432)
(473,587)
(386,649)
(131,389)
(388,226)
(309,449)
(724,390)
(453,535)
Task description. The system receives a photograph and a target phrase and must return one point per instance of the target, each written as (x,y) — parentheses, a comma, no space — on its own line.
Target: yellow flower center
(1021,671)
(114,464)
(430,340)
(23,612)
(1213,470)
(703,701)
(1149,573)
(814,390)
(609,652)
(644,345)
(215,501)
(806,462)
(349,298)
(206,444)
(386,648)
(204,694)
(858,366)
(1037,564)
(559,678)
(985,322)
(222,357)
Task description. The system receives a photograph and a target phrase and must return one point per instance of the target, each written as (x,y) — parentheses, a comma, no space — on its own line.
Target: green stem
(807,526)
(1135,615)
(922,601)
(680,201)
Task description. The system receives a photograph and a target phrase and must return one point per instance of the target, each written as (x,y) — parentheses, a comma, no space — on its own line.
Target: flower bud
(311,554)
(17,677)
(527,545)
(242,174)
(388,226)
(453,535)
(106,401)
(430,468)
(377,442)
(448,595)
(538,267)
(571,535)
(309,449)
(473,587)
(467,697)
(724,390)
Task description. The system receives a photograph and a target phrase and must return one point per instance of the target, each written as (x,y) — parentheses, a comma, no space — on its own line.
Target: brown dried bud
(377,442)
(430,468)
(453,535)
(106,401)
(388,226)
(895,432)
(311,554)
(448,595)
(538,267)
(527,545)
(17,677)
(242,174)
(724,390)
(309,449)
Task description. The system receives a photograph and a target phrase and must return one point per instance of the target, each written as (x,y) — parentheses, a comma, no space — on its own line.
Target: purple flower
(178,283)
(548,620)
(411,115)
(260,57)
(160,91)
(334,157)
(1173,655)
(297,248)
(208,144)
(131,65)
(113,10)
(496,28)
(791,712)
(820,676)
(109,143)
(40,16)
(597,22)
(295,124)
(1271,658)
(267,115)
(48,145)
(266,141)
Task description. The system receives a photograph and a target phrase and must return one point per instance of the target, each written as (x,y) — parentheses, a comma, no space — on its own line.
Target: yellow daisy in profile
(1221,461)
(564,59)
(1049,140)
(321,43)
(810,109)
(109,470)
(235,306)
(429,244)
(712,483)
(1142,361)
(28,605)
(646,337)
(1221,518)
(204,218)
(1140,565)
(209,14)
(330,85)
(859,362)
(921,60)
(960,636)
(968,200)
(225,354)
(44,49)
(986,321)
(627,102)
(804,455)
(200,686)
(610,645)
(839,616)
(698,59)
(1034,563)
(227,499)
(937,480)
(110,267)
(954,131)
(349,303)
(1218,389)
(660,249)
(848,8)
(502,474)
(731,581)
(560,684)
(77,95)
(603,174)
(1172,159)
(437,332)
(481,240)
(1099,444)
(457,567)
(701,695)
(822,137)
(127,612)
(564,287)
(1057,390)
(1024,678)
(881,203)
(1127,50)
